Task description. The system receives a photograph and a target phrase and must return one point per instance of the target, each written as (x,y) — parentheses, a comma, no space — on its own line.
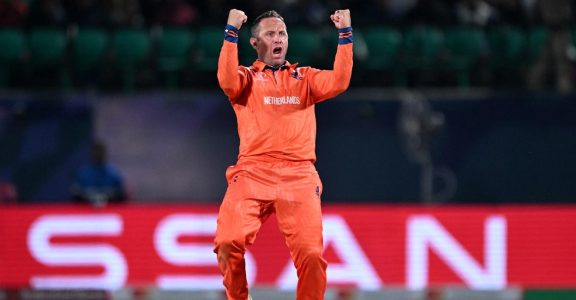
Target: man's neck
(275,68)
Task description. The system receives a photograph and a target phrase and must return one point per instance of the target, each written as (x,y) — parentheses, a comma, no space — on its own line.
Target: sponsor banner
(367,246)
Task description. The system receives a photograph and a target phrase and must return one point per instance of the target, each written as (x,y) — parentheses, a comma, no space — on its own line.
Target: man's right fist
(236,18)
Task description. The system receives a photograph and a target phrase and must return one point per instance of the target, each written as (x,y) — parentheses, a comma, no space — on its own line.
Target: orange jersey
(275,109)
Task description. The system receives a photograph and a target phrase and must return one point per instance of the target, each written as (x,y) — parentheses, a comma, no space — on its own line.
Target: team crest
(295,75)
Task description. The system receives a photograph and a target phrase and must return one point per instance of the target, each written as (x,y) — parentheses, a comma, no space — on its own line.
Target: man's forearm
(227,73)
(343,61)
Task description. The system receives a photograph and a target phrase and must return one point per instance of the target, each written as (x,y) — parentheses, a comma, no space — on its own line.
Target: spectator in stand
(13,12)
(177,13)
(88,12)
(554,62)
(8,192)
(383,12)
(126,13)
(510,12)
(47,13)
(306,12)
(215,10)
(436,13)
(475,13)
(98,182)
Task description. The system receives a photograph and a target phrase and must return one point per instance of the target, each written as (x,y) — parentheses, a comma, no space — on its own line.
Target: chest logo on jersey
(284,100)
(294,74)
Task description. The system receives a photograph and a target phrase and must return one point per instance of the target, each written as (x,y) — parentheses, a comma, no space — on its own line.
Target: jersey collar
(260,66)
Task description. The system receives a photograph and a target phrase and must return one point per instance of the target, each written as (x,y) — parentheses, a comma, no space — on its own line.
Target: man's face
(271,43)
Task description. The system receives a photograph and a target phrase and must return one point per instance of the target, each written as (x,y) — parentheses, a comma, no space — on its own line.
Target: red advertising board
(367,246)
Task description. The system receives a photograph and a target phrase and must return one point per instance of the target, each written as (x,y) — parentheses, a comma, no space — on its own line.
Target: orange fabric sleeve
(232,77)
(326,84)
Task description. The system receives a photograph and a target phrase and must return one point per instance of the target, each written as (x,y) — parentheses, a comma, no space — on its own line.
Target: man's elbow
(225,84)
(342,85)
(221,78)
(342,77)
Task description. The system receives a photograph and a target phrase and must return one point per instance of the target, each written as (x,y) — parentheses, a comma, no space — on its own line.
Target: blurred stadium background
(459,110)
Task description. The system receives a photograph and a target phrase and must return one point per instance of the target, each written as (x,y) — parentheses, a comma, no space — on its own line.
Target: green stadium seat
(88,53)
(89,48)
(421,50)
(173,53)
(247,54)
(383,47)
(536,40)
(465,46)
(329,44)
(48,52)
(131,47)
(47,46)
(507,47)
(12,41)
(210,41)
(306,46)
(574,36)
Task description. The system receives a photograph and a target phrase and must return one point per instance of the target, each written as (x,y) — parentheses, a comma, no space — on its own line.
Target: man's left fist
(341,18)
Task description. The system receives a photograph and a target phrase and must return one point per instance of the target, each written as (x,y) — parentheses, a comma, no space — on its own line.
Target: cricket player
(274,105)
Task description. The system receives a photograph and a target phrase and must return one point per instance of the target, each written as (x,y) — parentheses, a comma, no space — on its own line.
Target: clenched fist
(341,18)
(236,18)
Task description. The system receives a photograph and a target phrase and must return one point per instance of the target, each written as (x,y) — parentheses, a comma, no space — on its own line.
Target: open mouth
(277,50)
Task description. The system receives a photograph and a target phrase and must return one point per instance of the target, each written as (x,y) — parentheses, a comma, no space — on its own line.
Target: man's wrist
(231,33)
(345,35)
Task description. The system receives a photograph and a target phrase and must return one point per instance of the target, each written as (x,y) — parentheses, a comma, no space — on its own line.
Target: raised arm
(231,77)
(327,84)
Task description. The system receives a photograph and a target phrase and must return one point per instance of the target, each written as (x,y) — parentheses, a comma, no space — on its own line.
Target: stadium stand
(420,54)
(209,43)
(12,42)
(384,46)
(89,48)
(507,54)
(131,48)
(308,46)
(173,53)
(48,53)
(536,40)
(465,46)
(409,56)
